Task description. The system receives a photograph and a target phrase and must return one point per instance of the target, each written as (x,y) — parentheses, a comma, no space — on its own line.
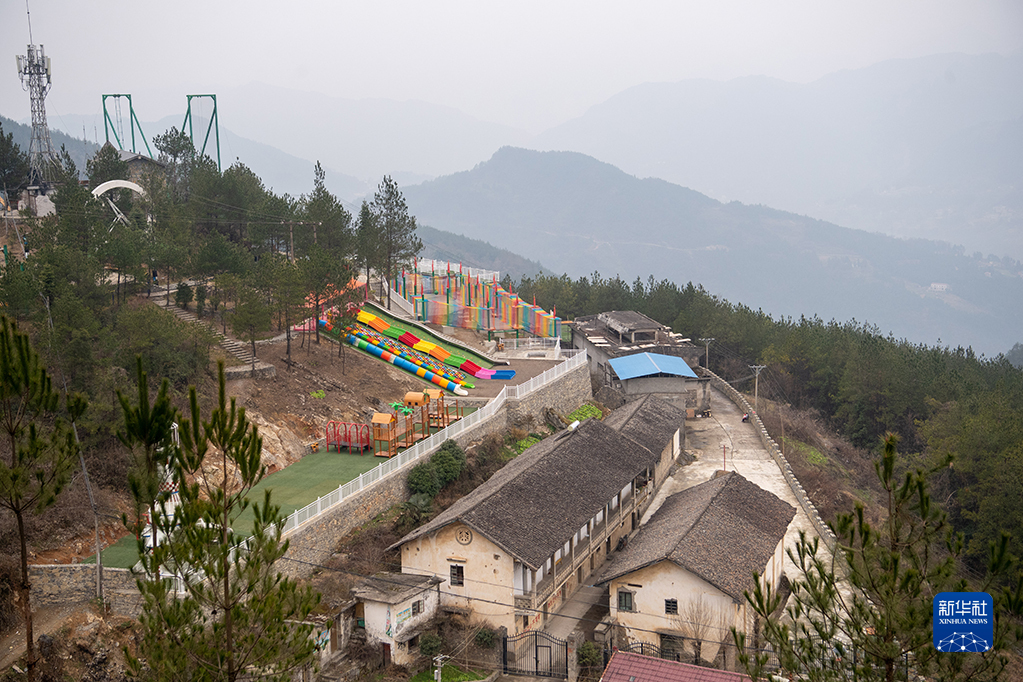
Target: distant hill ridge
(578,215)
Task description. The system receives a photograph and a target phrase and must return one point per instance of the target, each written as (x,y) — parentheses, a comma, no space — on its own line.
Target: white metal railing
(531,343)
(440,267)
(575,358)
(401,303)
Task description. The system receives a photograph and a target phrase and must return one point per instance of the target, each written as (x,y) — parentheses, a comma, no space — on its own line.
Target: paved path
(569,616)
(743,453)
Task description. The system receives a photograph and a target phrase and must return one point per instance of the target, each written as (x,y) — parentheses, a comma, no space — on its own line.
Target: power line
(580,619)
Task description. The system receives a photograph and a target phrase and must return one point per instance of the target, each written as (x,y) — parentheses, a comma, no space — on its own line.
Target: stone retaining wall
(772,447)
(64,584)
(263,370)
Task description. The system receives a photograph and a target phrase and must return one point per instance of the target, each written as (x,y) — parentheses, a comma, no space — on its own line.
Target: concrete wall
(697,599)
(386,622)
(488,571)
(682,392)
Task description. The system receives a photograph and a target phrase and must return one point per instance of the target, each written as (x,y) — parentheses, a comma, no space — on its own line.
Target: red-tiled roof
(625,666)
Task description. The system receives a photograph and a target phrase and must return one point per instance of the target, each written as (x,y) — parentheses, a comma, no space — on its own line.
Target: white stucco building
(515,548)
(392,607)
(683,576)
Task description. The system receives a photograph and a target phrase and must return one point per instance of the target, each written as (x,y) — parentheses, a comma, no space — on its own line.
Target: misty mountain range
(929,147)
(922,147)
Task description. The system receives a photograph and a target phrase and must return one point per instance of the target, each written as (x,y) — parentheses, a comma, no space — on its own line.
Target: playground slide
(401,363)
(418,359)
(432,349)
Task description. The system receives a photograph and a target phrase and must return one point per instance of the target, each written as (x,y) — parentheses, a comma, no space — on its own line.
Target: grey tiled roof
(393,588)
(721,530)
(649,421)
(536,502)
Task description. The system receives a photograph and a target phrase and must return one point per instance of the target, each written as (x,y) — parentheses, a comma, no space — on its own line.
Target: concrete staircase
(233,347)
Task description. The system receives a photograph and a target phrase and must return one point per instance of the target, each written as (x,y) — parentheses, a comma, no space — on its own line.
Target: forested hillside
(446,246)
(939,400)
(79,150)
(217,243)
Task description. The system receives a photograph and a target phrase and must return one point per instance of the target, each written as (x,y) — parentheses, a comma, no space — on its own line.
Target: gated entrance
(535,654)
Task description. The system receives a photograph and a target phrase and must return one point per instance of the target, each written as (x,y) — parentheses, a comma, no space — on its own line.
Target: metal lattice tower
(34,70)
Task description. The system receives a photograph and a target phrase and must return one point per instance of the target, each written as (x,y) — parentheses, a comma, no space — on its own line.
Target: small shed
(393,607)
(667,377)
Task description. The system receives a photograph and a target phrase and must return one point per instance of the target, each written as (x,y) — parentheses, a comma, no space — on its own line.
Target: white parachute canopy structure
(117,184)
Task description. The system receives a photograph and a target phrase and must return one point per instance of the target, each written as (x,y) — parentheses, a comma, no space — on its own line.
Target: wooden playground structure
(417,416)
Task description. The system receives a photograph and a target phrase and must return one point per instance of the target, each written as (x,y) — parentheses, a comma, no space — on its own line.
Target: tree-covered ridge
(939,400)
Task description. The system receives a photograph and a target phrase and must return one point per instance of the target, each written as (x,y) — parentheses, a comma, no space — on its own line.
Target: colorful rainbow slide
(404,364)
(432,349)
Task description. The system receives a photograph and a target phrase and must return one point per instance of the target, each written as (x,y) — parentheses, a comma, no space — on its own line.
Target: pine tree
(238,617)
(147,435)
(866,614)
(38,449)
(397,229)
(368,240)
(251,317)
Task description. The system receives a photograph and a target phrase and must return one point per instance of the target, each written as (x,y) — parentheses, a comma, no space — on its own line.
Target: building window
(625,600)
(670,607)
(417,607)
(457,574)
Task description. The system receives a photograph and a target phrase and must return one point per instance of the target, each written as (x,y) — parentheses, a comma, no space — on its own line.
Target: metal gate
(535,654)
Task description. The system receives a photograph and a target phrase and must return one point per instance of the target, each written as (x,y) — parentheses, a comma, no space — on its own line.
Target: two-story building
(513,549)
(681,580)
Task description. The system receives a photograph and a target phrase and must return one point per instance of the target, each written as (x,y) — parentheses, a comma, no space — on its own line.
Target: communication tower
(34,70)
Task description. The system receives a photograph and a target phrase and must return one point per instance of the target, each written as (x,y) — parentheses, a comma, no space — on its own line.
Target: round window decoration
(464,536)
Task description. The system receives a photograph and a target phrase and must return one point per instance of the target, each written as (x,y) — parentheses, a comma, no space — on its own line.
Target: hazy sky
(523,63)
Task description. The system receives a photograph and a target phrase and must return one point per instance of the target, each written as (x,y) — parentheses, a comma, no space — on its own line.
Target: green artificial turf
(122,554)
(311,477)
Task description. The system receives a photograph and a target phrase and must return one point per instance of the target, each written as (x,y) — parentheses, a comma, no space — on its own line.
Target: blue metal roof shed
(650,364)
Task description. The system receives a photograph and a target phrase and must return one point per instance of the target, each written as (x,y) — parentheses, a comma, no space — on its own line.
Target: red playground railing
(351,436)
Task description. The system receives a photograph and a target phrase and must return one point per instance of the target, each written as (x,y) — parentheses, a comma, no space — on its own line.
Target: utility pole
(756,387)
(706,342)
(439,662)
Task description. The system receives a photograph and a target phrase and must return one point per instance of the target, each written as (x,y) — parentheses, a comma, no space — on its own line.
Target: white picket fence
(574,359)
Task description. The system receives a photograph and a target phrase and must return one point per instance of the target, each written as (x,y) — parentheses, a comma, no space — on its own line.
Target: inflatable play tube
(401,363)
(432,349)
